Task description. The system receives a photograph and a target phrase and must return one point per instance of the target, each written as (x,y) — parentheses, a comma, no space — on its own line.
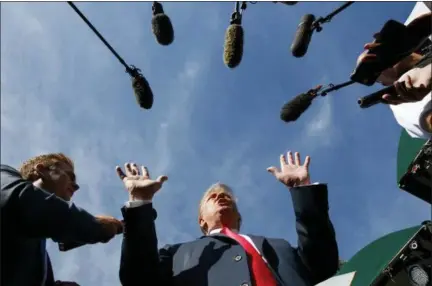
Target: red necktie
(261,274)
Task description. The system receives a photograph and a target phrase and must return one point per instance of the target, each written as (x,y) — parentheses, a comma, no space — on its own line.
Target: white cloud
(320,125)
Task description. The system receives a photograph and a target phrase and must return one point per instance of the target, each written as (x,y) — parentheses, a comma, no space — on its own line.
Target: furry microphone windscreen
(302,36)
(162,29)
(292,110)
(233,46)
(142,91)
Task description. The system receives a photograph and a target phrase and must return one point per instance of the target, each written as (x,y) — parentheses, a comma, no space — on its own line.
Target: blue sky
(62,90)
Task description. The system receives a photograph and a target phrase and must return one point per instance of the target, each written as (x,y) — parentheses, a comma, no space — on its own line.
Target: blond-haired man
(34,207)
(224,256)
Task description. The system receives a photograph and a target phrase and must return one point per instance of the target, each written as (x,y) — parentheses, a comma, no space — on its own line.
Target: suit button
(244,284)
(238,258)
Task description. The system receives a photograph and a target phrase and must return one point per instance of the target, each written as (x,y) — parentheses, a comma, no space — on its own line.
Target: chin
(66,197)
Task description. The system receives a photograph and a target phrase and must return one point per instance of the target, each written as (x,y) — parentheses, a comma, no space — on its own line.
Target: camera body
(396,43)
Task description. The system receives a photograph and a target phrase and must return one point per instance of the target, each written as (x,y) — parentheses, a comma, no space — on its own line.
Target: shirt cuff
(316,183)
(137,203)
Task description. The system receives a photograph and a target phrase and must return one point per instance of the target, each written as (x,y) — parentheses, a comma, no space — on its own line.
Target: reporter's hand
(390,75)
(292,173)
(111,225)
(413,86)
(139,186)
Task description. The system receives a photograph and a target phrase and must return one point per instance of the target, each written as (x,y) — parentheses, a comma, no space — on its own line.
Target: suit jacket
(218,260)
(29,215)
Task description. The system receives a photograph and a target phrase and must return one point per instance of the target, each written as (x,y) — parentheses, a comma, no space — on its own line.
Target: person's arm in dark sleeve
(317,246)
(37,213)
(141,261)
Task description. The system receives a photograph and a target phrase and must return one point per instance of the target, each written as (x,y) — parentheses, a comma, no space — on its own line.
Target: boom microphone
(292,110)
(161,25)
(233,46)
(303,36)
(142,90)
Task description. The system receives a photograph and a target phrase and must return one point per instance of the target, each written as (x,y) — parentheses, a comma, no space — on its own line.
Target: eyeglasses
(70,174)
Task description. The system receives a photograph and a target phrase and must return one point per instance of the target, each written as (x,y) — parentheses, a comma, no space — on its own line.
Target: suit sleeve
(36,213)
(317,246)
(141,261)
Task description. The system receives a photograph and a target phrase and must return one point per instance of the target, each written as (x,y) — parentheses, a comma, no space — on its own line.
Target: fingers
(290,158)
(282,160)
(398,97)
(391,99)
(273,170)
(111,225)
(128,169)
(135,170)
(145,172)
(307,162)
(120,173)
(409,83)
(369,46)
(297,158)
(369,58)
(162,179)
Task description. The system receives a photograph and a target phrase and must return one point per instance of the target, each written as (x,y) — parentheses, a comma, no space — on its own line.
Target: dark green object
(371,261)
(408,148)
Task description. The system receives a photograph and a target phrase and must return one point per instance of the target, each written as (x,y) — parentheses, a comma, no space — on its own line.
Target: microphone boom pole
(75,8)
(142,90)
(317,24)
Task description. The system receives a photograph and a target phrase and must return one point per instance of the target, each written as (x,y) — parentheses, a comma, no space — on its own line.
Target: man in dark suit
(34,207)
(223,257)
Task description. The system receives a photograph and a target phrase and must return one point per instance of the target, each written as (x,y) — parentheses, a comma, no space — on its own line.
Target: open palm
(292,172)
(140,185)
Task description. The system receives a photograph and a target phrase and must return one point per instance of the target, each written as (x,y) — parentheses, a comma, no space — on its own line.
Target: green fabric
(370,261)
(408,148)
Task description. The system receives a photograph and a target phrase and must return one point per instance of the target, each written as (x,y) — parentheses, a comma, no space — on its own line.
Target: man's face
(218,206)
(59,179)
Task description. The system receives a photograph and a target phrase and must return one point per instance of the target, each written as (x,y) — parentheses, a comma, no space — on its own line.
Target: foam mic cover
(142,91)
(303,36)
(292,110)
(233,45)
(161,26)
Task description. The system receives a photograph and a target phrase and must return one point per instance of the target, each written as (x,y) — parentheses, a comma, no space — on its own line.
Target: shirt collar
(218,230)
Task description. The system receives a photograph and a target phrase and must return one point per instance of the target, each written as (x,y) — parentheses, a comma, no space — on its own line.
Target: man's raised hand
(292,173)
(139,185)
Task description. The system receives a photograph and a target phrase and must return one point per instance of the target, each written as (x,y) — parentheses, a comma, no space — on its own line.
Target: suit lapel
(268,253)
(259,242)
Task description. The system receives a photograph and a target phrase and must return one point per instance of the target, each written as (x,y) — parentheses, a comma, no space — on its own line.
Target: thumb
(272,170)
(162,179)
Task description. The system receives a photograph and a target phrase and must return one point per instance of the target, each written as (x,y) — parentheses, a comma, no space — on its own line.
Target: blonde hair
(48,160)
(218,187)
